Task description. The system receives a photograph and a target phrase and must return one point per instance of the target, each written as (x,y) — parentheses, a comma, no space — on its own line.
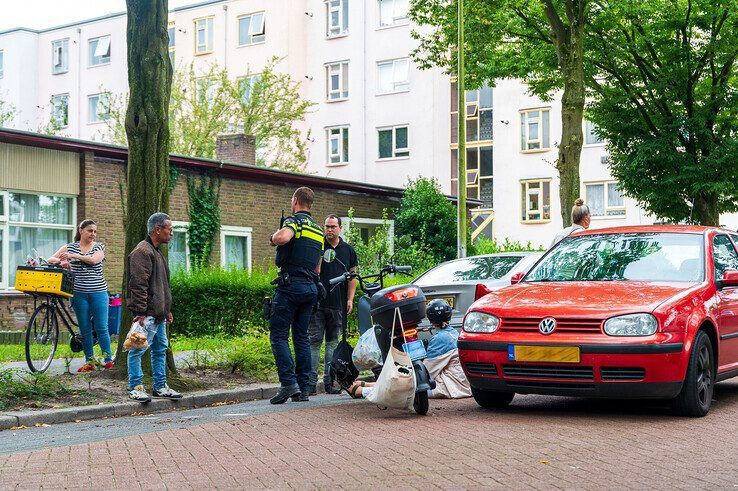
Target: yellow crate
(53,281)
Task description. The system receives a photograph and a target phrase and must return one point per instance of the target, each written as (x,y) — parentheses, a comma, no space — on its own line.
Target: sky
(41,14)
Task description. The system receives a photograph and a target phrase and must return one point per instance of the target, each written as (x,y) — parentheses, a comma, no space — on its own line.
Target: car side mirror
(730,279)
(514,279)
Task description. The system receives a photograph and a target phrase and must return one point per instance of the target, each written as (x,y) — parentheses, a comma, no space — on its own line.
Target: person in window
(90,301)
(580,218)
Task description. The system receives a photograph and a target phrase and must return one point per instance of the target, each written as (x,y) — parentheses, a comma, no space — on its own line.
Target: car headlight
(481,322)
(631,325)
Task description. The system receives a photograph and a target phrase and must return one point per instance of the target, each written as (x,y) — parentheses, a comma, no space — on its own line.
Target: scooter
(376,309)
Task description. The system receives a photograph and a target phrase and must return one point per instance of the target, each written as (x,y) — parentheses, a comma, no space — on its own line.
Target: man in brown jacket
(149,299)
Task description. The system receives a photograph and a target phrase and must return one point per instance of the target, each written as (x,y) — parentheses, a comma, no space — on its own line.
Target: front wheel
(42,336)
(491,399)
(420,404)
(695,398)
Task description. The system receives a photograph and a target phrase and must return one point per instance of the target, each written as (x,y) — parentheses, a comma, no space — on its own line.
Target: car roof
(634,229)
(496,254)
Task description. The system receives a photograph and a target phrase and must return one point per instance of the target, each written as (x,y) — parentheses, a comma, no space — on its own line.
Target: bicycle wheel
(42,335)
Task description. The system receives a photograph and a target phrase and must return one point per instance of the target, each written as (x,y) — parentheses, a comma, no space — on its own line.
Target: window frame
(6,223)
(64,56)
(234,231)
(250,35)
(605,199)
(99,99)
(343,156)
(171,26)
(347,222)
(253,78)
(395,83)
(343,81)
(208,28)
(179,226)
(53,109)
(2,63)
(342,8)
(394,156)
(524,113)
(589,126)
(396,21)
(91,52)
(524,188)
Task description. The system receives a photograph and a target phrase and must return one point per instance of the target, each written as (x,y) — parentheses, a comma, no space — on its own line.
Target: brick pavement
(539,443)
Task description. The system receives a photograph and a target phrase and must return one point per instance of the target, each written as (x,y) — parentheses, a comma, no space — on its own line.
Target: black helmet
(438,311)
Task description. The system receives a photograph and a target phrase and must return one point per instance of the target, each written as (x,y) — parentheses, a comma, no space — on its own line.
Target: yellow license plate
(450,300)
(556,354)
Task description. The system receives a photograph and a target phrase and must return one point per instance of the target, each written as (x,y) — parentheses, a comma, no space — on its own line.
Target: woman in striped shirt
(90,299)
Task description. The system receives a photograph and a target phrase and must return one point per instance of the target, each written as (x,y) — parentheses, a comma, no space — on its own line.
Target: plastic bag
(136,338)
(367,354)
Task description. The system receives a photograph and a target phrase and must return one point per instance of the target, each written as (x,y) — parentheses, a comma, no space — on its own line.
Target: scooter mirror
(329,255)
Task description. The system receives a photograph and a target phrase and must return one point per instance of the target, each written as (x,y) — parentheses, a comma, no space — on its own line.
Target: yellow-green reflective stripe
(314,229)
(310,235)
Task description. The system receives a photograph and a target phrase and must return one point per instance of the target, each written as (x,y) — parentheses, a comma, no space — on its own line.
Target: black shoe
(284,394)
(313,390)
(330,389)
(301,397)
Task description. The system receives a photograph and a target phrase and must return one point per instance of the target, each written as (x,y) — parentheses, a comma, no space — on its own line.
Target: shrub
(213,301)
(483,245)
(28,387)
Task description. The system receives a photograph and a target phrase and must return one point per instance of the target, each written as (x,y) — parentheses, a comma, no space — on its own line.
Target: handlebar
(337,280)
(403,269)
(379,276)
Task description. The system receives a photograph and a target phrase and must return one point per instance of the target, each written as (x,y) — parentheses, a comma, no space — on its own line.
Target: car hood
(579,299)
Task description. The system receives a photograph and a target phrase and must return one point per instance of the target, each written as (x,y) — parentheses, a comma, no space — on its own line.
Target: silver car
(456,281)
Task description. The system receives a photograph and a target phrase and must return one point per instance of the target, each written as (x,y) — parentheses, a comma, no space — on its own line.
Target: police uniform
(294,298)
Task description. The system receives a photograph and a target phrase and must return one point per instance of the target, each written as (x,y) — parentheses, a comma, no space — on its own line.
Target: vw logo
(547,325)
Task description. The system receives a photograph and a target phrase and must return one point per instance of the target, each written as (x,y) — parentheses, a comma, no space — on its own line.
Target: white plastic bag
(137,337)
(395,386)
(367,354)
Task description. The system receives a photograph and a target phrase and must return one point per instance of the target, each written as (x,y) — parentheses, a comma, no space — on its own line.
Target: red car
(625,312)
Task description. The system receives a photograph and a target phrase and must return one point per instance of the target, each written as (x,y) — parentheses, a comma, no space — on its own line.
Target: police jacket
(300,256)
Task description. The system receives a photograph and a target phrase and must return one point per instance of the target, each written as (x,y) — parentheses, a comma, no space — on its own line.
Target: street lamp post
(461,86)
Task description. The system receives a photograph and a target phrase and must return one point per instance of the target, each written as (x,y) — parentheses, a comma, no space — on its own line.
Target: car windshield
(470,269)
(629,257)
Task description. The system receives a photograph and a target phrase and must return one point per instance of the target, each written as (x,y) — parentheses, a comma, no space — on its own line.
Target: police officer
(299,247)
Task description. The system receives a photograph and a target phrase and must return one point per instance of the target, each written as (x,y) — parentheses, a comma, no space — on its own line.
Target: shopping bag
(367,354)
(395,386)
(136,337)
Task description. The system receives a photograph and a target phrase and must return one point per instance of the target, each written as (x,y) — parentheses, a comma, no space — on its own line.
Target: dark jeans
(326,323)
(293,306)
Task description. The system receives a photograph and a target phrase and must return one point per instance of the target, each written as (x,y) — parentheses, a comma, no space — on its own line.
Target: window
(172,34)
(205,90)
(338,145)
(2,62)
(604,199)
(536,200)
(393,142)
(392,12)
(534,130)
(98,107)
(724,256)
(251,29)
(246,86)
(479,114)
(368,227)
(99,51)
(337,17)
(337,81)
(203,35)
(60,56)
(179,248)
(590,134)
(60,110)
(32,221)
(393,76)
(235,247)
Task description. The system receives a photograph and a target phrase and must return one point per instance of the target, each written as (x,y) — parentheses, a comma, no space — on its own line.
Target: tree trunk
(706,210)
(147,129)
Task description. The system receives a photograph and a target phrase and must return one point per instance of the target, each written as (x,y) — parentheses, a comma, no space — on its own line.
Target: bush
(213,301)
(30,387)
(483,245)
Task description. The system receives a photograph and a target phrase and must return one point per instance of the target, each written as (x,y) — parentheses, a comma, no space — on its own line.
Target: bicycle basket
(44,279)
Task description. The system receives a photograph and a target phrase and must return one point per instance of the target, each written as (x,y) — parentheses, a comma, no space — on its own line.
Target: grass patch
(16,388)
(17,352)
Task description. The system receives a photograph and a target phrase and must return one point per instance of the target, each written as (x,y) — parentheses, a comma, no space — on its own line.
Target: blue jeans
(92,309)
(156,335)
(293,306)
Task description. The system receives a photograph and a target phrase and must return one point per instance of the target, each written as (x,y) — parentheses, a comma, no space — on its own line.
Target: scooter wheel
(420,404)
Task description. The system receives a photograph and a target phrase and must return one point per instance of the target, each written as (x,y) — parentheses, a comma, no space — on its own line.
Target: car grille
(481,368)
(528,324)
(548,372)
(622,373)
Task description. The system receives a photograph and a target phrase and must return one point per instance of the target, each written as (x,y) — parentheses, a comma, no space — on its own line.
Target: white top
(565,233)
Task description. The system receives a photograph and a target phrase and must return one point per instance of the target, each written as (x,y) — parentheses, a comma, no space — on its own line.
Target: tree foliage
(7,112)
(428,218)
(202,106)
(539,41)
(667,103)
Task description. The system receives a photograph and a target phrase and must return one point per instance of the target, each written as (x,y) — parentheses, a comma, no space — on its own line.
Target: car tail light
(481,291)
(402,294)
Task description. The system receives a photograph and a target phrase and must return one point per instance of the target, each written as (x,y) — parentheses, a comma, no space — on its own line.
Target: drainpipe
(225,35)
(79,83)
(363,98)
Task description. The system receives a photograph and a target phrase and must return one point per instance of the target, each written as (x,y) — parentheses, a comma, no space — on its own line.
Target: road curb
(15,419)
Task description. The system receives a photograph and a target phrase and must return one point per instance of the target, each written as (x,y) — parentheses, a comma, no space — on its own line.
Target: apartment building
(378,118)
